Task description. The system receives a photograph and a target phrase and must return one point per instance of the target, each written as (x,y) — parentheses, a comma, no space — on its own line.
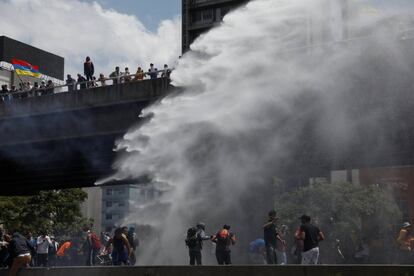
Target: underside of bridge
(66,140)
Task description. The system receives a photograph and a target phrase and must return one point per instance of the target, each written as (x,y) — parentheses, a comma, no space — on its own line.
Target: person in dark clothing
(53,247)
(311,235)
(81,81)
(91,247)
(194,241)
(223,240)
(71,83)
(121,248)
(271,237)
(153,72)
(88,69)
(19,250)
(133,242)
(50,88)
(116,76)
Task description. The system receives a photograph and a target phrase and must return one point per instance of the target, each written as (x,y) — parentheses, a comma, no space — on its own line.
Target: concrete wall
(223,271)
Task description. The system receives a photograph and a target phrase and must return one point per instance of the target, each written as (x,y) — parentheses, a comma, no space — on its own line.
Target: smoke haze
(279,88)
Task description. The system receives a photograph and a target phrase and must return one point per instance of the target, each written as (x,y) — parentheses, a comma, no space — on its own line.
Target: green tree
(58,212)
(343,211)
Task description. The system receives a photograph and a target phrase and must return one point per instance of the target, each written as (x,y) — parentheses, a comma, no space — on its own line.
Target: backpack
(192,240)
(223,239)
(96,242)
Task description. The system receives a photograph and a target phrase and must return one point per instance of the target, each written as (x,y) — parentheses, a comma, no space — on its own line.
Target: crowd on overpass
(17,251)
(87,80)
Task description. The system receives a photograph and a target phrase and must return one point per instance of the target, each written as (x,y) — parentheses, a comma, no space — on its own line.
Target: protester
(19,250)
(257,252)
(4,251)
(127,75)
(281,257)
(43,242)
(121,248)
(102,79)
(166,72)
(33,247)
(88,69)
(133,242)
(62,253)
(271,236)
(298,247)
(404,241)
(139,75)
(223,240)
(71,83)
(53,248)
(81,81)
(116,76)
(92,247)
(49,88)
(194,241)
(152,72)
(311,235)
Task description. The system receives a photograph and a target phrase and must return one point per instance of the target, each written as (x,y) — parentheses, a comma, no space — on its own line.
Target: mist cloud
(75,29)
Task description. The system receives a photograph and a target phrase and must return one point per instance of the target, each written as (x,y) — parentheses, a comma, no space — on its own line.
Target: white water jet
(274,75)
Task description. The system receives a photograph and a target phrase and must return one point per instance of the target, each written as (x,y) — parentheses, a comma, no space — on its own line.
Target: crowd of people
(18,250)
(88,80)
(269,250)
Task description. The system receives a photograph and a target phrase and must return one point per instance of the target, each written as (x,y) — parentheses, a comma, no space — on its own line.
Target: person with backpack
(92,247)
(223,240)
(194,242)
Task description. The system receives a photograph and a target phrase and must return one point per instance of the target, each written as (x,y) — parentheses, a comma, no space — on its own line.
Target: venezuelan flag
(24,68)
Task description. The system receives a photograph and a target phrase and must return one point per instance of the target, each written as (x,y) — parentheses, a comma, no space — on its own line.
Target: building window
(208,15)
(109,192)
(108,216)
(121,191)
(109,204)
(121,204)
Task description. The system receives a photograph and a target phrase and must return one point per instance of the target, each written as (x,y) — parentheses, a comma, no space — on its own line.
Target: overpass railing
(78,86)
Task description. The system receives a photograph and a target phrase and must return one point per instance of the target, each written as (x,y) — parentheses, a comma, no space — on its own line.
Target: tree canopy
(57,212)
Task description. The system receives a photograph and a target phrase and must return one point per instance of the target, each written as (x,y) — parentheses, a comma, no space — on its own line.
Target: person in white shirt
(43,242)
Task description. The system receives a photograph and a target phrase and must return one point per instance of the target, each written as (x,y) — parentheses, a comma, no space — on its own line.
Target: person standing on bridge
(19,250)
(88,69)
(152,71)
(271,238)
(116,76)
(223,240)
(139,75)
(194,242)
(311,236)
(43,243)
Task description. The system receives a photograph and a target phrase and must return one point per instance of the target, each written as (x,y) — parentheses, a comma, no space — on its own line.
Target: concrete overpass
(66,139)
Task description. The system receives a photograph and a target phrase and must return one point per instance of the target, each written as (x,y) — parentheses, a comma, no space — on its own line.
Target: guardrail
(75,86)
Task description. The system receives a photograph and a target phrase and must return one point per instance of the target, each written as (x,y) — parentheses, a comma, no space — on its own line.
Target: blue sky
(149,12)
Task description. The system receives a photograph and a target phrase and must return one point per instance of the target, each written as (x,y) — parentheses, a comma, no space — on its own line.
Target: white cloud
(75,29)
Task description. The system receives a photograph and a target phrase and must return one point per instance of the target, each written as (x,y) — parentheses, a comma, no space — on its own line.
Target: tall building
(198,16)
(92,207)
(120,203)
